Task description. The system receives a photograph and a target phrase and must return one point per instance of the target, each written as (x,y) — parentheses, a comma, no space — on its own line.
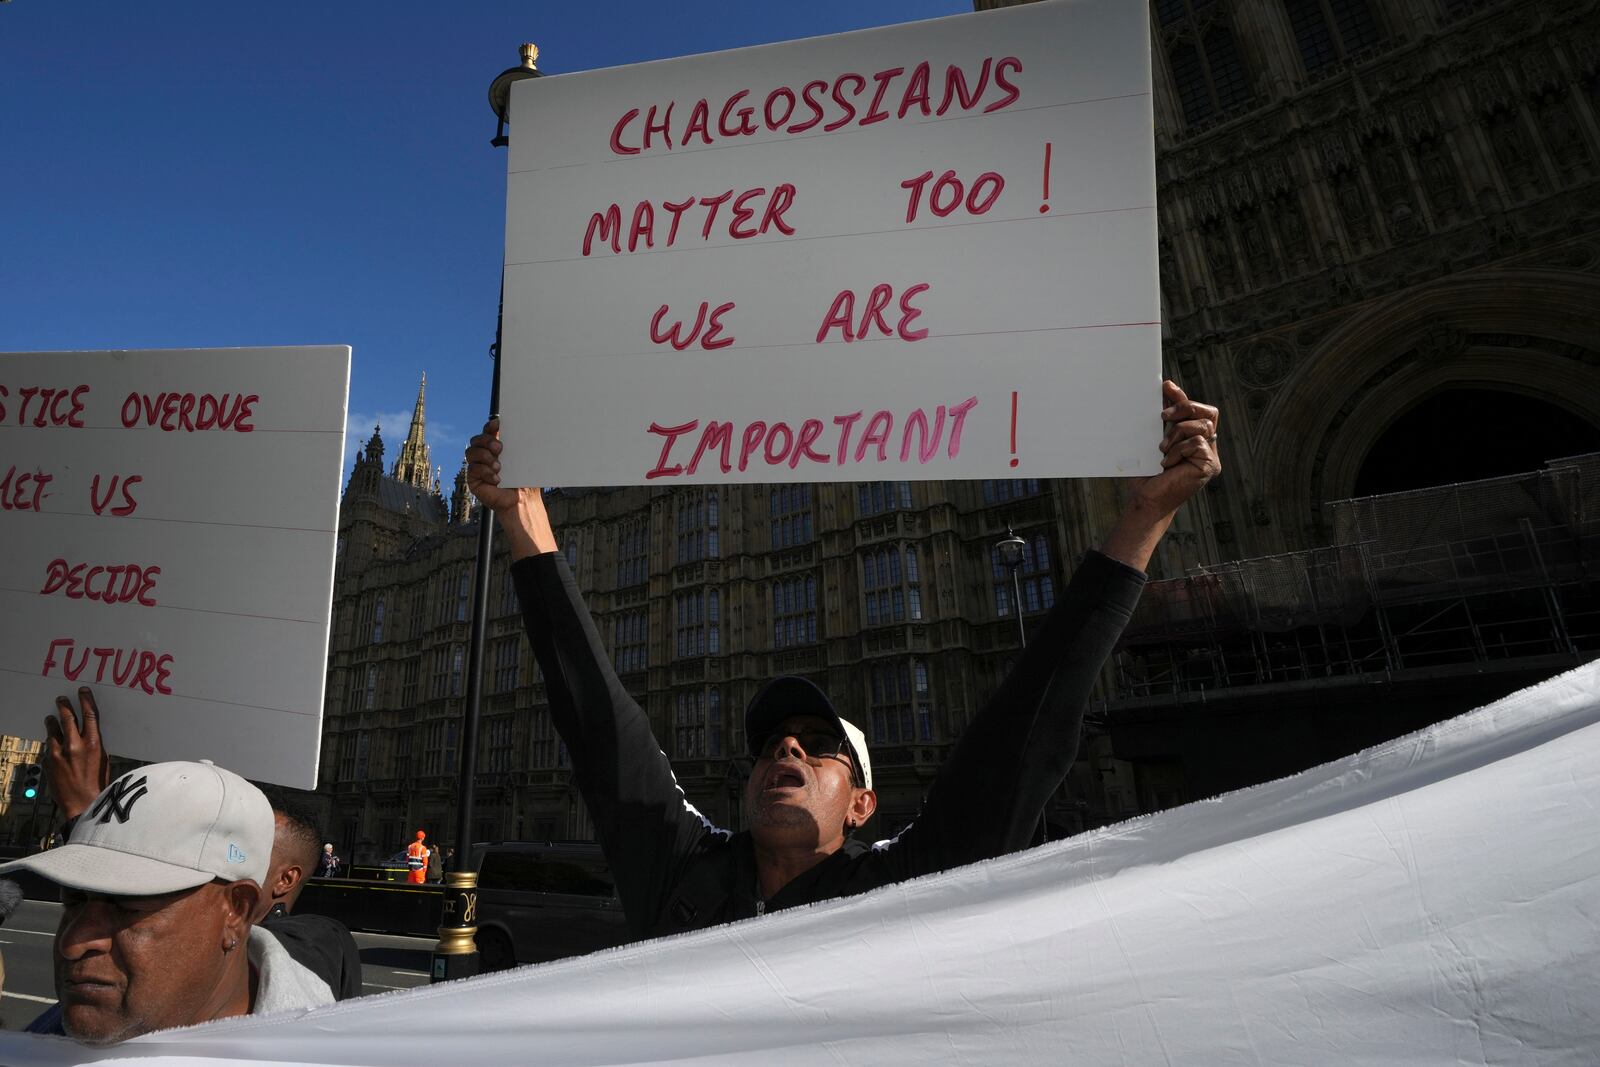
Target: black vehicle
(539,902)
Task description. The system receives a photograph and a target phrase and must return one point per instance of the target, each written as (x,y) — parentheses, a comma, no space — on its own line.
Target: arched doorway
(1521,332)
(1463,434)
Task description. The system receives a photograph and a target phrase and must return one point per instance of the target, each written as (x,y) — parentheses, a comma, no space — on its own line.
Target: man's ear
(863,802)
(240,898)
(289,876)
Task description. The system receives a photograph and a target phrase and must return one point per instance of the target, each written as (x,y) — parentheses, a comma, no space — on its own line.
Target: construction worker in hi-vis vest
(417,860)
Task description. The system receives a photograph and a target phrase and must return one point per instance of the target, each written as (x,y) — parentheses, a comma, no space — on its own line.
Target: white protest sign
(925,251)
(169,521)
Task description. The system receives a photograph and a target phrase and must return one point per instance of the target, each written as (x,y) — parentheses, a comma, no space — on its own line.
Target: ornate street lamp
(1012,552)
(500,90)
(456,954)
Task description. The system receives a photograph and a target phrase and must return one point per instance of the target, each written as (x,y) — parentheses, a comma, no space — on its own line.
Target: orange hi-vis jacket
(417,860)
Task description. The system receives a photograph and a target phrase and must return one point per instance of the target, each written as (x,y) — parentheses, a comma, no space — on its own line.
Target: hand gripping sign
(926,251)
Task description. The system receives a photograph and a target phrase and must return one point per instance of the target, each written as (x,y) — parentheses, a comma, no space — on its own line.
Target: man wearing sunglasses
(811,786)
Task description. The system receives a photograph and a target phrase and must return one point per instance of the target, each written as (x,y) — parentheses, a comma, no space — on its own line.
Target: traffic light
(32,781)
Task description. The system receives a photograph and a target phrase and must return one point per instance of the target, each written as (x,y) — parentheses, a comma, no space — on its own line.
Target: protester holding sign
(79,768)
(811,785)
(159,881)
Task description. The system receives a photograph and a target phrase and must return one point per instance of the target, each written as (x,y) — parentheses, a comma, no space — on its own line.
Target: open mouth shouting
(785,774)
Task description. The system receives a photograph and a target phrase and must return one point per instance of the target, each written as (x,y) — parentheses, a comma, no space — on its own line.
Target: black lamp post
(1012,551)
(456,954)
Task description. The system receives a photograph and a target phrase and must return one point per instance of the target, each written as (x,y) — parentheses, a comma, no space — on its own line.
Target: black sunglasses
(818,744)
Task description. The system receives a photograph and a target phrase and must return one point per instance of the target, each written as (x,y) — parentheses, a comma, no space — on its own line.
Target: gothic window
(714,723)
(1035,580)
(1327,31)
(794,611)
(570,550)
(347,758)
(507,661)
(446,599)
(1014,489)
(408,682)
(433,747)
(417,613)
(633,564)
(699,518)
(688,725)
(509,605)
(497,750)
(631,641)
(439,675)
(699,623)
(789,508)
(371,699)
(402,754)
(873,498)
(924,699)
(893,722)
(352,689)
(1203,57)
(891,580)
(439,746)
(457,663)
(463,595)
(377,620)
(692,731)
(542,751)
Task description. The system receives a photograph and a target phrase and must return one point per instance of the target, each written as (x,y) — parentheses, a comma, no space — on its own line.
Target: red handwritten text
(675,336)
(127,482)
(607,225)
(778,444)
(133,668)
(190,411)
(55,407)
(884,95)
(23,490)
(123,583)
(842,312)
(948,193)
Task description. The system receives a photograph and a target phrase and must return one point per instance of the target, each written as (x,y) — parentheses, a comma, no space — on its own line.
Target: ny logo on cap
(118,799)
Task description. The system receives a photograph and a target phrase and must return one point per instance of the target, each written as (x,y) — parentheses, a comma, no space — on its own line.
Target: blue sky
(201,174)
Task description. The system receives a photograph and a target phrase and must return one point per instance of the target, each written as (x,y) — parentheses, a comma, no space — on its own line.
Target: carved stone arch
(1400,350)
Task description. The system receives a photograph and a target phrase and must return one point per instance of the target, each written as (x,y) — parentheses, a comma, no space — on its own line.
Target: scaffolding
(1498,572)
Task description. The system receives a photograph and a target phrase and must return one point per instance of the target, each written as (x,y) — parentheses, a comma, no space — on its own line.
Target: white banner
(169,521)
(1428,902)
(924,251)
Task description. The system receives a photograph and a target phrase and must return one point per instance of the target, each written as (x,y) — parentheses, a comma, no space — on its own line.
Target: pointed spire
(414,465)
(461,502)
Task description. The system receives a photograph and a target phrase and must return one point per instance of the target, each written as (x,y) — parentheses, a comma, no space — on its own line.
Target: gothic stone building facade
(1380,253)
(888,594)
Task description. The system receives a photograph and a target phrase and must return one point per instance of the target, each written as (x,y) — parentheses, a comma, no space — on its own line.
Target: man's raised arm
(641,817)
(1019,748)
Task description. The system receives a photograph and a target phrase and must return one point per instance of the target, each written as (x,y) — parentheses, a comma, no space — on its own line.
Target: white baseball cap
(162,828)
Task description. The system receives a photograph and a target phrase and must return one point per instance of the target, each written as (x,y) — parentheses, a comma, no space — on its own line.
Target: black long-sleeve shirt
(675,871)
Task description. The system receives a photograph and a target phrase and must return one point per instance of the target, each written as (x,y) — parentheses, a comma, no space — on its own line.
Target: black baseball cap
(792,695)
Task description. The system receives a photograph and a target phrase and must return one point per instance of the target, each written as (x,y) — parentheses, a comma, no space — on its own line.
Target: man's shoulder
(323,946)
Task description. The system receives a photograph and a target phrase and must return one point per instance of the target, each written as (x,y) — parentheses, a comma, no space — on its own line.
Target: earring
(231,945)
